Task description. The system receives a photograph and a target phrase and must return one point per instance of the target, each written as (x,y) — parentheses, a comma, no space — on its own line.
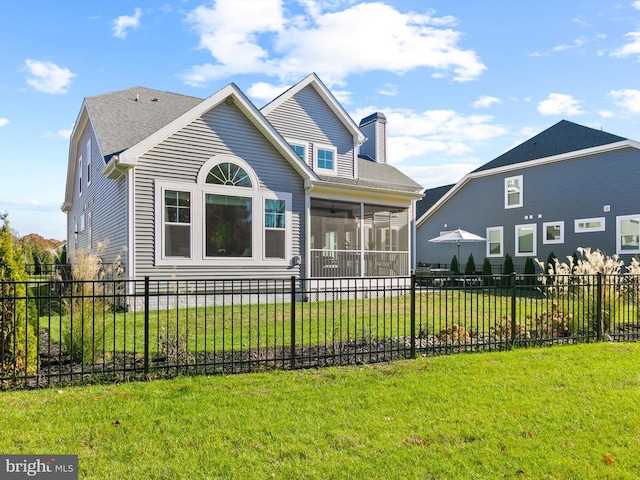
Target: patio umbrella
(458,236)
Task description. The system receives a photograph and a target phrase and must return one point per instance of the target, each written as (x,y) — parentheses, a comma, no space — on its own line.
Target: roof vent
(154,99)
(137,97)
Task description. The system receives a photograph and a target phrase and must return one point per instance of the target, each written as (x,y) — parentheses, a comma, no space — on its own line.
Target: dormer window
(325,159)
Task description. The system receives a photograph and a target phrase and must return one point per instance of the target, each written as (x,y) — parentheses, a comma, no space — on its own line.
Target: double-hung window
(88,162)
(177,223)
(275,222)
(513,192)
(80,176)
(494,241)
(628,234)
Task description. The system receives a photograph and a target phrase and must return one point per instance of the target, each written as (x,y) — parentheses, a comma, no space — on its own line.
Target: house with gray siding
(184,187)
(569,186)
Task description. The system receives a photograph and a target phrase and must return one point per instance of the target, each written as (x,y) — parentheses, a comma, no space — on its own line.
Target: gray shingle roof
(121,122)
(377,175)
(563,137)
(431,196)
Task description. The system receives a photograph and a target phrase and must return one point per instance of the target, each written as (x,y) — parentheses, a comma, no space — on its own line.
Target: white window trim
(319,146)
(299,143)
(544,232)
(535,240)
(619,250)
(506,191)
(578,229)
(89,176)
(198,193)
(501,230)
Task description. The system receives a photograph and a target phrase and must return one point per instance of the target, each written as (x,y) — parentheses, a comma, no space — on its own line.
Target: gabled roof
(431,196)
(123,118)
(563,137)
(564,140)
(326,95)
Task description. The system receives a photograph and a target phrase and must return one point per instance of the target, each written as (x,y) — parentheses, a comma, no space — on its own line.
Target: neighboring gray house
(570,186)
(215,187)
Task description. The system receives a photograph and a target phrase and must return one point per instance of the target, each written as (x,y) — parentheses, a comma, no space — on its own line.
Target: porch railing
(353,263)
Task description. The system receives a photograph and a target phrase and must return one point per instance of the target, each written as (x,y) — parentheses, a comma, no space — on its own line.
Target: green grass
(259,326)
(555,413)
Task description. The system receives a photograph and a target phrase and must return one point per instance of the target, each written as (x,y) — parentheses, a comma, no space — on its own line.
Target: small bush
(502,331)
(554,324)
(455,266)
(470,267)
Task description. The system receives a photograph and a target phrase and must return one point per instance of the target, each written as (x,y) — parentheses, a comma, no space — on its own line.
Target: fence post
(146,326)
(513,309)
(599,326)
(293,322)
(413,315)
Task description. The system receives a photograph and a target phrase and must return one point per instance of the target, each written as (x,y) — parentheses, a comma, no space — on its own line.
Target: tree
(529,270)
(551,264)
(18,343)
(487,272)
(455,267)
(508,267)
(470,267)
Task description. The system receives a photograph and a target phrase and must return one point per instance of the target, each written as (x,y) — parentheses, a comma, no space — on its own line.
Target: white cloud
(122,24)
(632,48)
(606,113)
(560,104)
(413,134)
(254,36)
(485,101)
(47,77)
(66,134)
(265,91)
(628,99)
(431,176)
(3,121)
(388,89)
(636,4)
(578,42)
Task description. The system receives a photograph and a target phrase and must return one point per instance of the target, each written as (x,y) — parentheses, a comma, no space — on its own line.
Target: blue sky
(459,82)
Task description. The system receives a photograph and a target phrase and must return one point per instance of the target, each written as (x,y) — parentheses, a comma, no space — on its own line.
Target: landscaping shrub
(579,280)
(487,272)
(529,270)
(470,267)
(18,342)
(92,290)
(455,267)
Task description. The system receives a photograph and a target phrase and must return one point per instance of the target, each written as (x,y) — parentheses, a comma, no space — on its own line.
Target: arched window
(228,173)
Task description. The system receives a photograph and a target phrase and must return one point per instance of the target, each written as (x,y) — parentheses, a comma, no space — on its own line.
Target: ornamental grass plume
(579,279)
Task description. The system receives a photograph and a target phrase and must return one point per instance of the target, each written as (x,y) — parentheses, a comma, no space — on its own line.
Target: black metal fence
(58,332)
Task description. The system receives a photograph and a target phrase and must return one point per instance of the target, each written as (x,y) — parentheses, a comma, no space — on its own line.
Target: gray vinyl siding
(106,200)
(308,118)
(224,130)
(562,191)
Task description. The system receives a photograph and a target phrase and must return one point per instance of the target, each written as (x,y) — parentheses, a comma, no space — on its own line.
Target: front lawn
(562,412)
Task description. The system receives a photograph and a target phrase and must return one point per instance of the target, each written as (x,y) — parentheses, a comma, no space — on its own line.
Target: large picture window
(228,226)
(628,234)
(225,218)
